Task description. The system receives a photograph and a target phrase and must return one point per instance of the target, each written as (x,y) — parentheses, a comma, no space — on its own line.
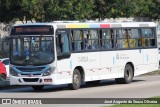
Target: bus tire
(128,75)
(2,77)
(38,87)
(76,80)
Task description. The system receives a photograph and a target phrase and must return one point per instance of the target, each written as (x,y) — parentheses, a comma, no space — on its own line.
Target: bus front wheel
(38,87)
(128,75)
(76,80)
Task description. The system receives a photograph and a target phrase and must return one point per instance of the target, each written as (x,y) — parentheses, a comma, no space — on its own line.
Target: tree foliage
(49,10)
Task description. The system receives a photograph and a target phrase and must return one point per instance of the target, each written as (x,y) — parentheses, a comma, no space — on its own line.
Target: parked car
(5,61)
(3,72)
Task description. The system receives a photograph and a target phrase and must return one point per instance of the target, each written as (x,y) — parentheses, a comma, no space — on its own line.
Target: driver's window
(26,44)
(62,42)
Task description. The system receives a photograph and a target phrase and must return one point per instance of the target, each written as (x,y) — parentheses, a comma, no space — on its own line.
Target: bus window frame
(154,36)
(139,28)
(114,48)
(92,39)
(63,55)
(89,50)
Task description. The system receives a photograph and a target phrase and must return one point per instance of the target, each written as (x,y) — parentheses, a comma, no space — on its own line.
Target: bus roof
(95,24)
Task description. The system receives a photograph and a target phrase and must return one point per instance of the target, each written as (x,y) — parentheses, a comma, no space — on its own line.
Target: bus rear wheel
(76,80)
(128,75)
(38,87)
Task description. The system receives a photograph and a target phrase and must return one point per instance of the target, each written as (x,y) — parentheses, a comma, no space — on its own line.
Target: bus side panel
(113,62)
(150,60)
(64,72)
(109,67)
(90,62)
(136,58)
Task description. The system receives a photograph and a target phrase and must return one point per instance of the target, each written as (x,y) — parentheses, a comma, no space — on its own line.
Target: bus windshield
(32,50)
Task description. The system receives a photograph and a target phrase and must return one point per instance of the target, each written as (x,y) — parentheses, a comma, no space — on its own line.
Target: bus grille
(30,79)
(30,69)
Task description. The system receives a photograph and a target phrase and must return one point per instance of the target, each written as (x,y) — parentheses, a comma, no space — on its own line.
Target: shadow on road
(57,88)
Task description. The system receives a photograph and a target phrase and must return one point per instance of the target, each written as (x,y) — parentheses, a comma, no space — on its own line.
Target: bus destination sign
(32,30)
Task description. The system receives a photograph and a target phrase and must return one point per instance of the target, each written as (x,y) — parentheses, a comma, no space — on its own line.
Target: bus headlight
(13,72)
(48,72)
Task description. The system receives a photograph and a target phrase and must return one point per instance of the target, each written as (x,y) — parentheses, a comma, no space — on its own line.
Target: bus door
(63,56)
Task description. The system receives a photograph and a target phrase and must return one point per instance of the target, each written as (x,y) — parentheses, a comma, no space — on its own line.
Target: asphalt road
(141,87)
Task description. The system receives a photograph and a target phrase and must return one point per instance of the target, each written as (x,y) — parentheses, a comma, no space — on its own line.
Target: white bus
(73,53)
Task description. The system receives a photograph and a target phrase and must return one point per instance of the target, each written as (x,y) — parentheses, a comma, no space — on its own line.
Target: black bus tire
(76,80)
(128,75)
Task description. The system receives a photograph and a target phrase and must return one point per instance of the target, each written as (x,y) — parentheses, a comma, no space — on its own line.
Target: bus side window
(72,41)
(148,37)
(58,47)
(77,40)
(121,38)
(126,36)
(62,43)
(107,39)
(134,38)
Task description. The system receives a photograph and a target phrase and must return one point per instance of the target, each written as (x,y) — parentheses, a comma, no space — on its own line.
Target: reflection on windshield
(32,50)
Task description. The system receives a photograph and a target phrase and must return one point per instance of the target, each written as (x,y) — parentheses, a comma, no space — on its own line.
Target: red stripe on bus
(105,26)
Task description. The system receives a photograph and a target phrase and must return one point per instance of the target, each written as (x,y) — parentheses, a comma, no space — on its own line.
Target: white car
(5,61)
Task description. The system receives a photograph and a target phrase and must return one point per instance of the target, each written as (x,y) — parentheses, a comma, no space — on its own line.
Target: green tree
(156,10)
(124,8)
(49,10)
(33,9)
(9,10)
(76,9)
(148,8)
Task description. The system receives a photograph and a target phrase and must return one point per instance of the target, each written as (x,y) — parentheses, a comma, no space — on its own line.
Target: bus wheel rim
(76,79)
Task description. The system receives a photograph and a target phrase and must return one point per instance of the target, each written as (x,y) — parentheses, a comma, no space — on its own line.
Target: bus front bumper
(31,80)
